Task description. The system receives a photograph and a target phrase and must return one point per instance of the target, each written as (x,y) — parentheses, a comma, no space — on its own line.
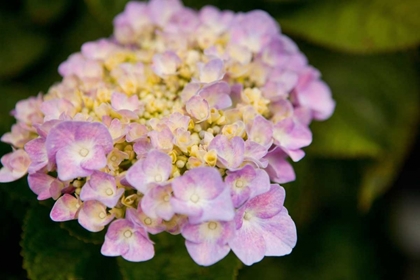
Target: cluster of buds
(183,121)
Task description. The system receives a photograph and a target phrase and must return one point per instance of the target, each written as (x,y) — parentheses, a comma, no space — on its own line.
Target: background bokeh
(356,200)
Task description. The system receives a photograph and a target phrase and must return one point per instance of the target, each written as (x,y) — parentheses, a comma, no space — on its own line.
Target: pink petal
(206,253)
(65,208)
(40,184)
(217,95)
(230,152)
(93,216)
(128,240)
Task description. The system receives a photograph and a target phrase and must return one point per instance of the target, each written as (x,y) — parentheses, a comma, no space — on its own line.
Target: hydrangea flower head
(181,121)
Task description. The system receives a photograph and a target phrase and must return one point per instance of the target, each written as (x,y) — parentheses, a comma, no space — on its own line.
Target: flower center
(166,198)
(239,184)
(148,221)
(128,233)
(158,178)
(247,216)
(212,225)
(113,158)
(109,192)
(83,152)
(102,215)
(194,198)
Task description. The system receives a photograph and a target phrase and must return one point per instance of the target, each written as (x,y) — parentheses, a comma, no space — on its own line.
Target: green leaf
(20,47)
(50,253)
(172,262)
(377,104)
(44,11)
(378,107)
(77,231)
(105,11)
(356,26)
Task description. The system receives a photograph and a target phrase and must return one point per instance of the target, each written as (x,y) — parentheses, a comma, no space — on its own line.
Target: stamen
(128,233)
(212,225)
(83,152)
(194,198)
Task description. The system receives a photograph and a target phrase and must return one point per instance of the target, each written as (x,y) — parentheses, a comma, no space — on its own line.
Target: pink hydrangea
(182,121)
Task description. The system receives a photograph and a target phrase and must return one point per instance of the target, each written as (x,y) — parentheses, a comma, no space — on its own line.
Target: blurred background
(356,200)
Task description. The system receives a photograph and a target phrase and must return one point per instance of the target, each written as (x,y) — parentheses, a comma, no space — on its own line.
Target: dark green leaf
(20,47)
(77,231)
(105,10)
(50,253)
(377,109)
(357,26)
(172,262)
(44,11)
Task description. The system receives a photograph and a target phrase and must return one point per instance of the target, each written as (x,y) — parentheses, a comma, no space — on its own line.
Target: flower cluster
(183,121)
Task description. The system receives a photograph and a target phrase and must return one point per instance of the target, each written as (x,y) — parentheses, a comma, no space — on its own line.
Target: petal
(206,253)
(279,232)
(248,244)
(65,208)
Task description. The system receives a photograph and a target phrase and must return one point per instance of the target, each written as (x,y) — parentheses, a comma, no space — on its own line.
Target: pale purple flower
(254,30)
(161,11)
(56,108)
(217,21)
(247,183)
(165,64)
(313,93)
(255,153)
(28,110)
(135,131)
(93,216)
(207,242)
(138,217)
(175,121)
(130,24)
(101,187)
(230,152)
(128,240)
(263,228)
(162,139)
(202,195)
(279,169)
(15,166)
(19,135)
(45,186)
(78,148)
(100,49)
(217,95)
(156,202)
(291,135)
(260,131)
(81,67)
(37,154)
(155,168)
(198,108)
(65,208)
(127,106)
(211,71)
(189,91)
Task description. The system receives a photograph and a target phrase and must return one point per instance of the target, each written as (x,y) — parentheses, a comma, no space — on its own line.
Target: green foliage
(377,109)
(172,262)
(77,231)
(356,26)
(354,158)
(50,253)
(21,49)
(45,12)
(105,10)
